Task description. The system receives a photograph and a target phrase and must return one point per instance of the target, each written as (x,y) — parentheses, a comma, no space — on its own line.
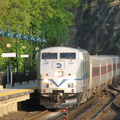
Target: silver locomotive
(68,76)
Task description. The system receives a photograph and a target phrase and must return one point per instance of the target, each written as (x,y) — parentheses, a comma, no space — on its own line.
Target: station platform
(10,96)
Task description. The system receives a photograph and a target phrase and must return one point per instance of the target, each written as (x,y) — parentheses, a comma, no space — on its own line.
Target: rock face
(97,27)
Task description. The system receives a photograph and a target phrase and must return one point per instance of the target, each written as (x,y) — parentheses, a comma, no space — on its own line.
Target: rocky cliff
(97,27)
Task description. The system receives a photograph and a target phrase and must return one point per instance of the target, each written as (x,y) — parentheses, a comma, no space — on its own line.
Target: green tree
(54,17)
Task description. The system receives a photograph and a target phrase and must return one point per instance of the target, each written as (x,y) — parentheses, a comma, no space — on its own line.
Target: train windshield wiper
(71,60)
(45,60)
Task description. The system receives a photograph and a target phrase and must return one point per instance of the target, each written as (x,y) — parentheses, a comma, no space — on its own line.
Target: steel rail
(74,110)
(98,116)
(117,101)
(36,115)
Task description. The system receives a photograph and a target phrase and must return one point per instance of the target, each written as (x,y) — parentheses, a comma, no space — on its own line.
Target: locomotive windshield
(49,55)
(67,55)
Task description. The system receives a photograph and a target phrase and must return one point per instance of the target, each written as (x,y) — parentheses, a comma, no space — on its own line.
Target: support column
(1,111)
(5,109)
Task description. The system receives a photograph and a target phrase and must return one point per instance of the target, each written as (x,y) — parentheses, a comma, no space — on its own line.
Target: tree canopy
(53,17)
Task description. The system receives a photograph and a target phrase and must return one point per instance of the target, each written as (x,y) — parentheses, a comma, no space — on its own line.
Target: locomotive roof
(61,48)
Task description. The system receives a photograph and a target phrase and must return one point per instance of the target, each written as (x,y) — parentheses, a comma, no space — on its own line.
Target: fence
(20,77)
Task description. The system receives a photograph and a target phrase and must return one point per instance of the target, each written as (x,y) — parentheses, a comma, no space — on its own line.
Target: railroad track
(59,114)
(72,112)
(95,108)
(45,115)
(90,111)
(36,115)
(115,102)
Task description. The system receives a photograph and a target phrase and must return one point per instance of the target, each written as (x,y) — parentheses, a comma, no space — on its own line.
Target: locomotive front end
(57,83)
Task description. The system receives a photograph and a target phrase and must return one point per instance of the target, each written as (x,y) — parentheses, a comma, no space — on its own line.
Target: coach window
(114,66)
(67,56)
(103,69)
(49,55)
(118,65)
(95,71)
(109,68)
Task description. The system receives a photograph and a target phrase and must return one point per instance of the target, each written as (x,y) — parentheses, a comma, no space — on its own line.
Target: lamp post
(43,39)
(38,39)
(16,36)
(31,38)
(1,32)
(24,37)
(8,34)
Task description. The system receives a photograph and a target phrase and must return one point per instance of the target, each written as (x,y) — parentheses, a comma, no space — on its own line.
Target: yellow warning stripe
(17,91)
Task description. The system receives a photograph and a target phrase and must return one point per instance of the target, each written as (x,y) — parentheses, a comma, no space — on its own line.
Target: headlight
(70,85)
(58,73)
(45,85)
(46,80)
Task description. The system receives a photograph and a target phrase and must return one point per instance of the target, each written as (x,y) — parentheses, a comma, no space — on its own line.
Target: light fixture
(31,38)
(8,33)
(1,32)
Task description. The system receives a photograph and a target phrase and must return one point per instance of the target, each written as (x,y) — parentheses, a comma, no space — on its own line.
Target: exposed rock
(97,27)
